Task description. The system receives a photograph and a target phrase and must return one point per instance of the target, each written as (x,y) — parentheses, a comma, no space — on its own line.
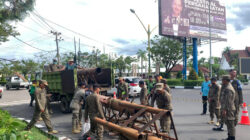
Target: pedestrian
(122,89)
(143,93)
(76,107)
(41,108)
(204,92)
(228,106)
(163,101)
(32,92)
(214,101)
(238,94)
(93,108)
(150,84)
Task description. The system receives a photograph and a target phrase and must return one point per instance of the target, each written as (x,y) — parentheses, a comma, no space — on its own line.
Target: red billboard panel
(190,18)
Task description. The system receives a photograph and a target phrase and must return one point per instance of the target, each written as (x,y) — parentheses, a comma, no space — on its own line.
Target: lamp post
(148,31)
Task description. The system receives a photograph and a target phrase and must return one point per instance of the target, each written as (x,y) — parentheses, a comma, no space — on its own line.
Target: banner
(190,18)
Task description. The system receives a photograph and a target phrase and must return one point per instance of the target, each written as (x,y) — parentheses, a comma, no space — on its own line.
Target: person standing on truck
(122,89)
(76,107)
(70,65)
(93,108)
(41,108)
(32,92)
(54,66)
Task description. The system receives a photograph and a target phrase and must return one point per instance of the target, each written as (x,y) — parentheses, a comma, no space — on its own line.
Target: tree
(193,75)
(167,51)
(141,55)
(12,10)
(200,74)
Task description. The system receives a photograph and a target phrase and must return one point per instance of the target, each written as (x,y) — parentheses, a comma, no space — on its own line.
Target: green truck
(62,84)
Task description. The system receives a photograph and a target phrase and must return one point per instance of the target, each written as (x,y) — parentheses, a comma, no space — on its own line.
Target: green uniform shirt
(32,89)
(150,86)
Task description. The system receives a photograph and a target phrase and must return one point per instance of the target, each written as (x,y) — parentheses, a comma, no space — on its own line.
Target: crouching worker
(76,106)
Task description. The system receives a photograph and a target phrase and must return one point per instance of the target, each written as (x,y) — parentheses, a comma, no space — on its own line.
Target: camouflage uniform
(163,101)
(238,98)
(93,108)
(76,108)
(40,98)
(143,96)
(227,104)
(122,91)
(214,104)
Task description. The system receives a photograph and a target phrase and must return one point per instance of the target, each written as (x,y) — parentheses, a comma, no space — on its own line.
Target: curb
(39,127)
(185,87)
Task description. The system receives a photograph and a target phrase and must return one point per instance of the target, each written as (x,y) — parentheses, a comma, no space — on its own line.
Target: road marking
(12,103)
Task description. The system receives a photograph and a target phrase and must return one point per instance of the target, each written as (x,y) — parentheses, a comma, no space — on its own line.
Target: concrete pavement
(186,103)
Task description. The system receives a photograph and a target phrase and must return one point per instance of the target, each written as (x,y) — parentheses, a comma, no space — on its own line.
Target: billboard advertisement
(190,18)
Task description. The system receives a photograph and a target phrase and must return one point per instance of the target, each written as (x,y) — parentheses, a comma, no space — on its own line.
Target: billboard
(244,65)
(190,18)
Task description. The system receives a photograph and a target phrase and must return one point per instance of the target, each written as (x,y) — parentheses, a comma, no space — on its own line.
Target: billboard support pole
(195,55)
(185,59)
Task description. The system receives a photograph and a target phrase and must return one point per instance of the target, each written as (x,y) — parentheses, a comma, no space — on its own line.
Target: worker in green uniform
(32,92)
(150,84)
(163,101)
(76,107)
(93,108)
(41,108)
(122,89)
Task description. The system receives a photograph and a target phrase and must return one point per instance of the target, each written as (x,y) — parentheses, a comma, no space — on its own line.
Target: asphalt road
(186,103)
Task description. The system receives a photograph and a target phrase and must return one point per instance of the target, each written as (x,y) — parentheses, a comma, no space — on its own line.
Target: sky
(109,26)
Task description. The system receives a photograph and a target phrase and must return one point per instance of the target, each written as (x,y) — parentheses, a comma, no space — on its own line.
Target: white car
(133,85)
(1,92)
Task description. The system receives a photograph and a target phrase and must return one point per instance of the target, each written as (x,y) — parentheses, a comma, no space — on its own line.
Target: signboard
(190,18)
(244,65)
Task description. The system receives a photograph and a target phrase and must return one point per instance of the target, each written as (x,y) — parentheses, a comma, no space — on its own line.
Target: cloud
(121,41)
(241,17)
(131,48)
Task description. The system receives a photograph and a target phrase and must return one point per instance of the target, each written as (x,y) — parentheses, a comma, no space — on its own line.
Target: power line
(75,32)
(30,45)
(40,24)
(42,19)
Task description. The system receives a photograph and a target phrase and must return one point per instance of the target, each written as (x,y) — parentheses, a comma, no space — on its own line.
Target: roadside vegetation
(13,129)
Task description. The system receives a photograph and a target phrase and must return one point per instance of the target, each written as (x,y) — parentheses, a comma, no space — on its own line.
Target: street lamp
(148,31)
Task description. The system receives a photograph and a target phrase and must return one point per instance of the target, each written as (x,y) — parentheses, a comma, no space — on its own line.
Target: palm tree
(141,54)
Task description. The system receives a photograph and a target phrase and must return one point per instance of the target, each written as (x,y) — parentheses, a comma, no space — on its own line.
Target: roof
(242,53)
(177,68)
(204,69)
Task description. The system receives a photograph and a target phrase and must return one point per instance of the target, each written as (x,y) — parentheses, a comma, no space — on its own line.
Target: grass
(13,129)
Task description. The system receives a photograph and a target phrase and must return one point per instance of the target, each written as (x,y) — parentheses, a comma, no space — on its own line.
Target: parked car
(133,85)
(1,92)
(16,82)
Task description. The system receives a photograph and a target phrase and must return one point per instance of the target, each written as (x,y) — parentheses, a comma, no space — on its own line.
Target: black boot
(231,138)
(219,128)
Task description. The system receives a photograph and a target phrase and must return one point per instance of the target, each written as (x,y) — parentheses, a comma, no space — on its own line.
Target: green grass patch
(13,129)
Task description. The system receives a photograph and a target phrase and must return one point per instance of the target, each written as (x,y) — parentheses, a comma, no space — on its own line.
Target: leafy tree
(200,74)
(12,10)
(167,51)
(193,75)
(141,55)
(179,74)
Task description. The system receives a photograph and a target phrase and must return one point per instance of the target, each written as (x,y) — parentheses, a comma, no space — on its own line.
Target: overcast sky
(109,26)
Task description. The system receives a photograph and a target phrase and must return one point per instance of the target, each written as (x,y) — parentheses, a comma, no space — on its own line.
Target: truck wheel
(7,87)
(64,105)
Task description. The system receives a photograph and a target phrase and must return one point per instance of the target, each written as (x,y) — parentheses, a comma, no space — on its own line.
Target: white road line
(12,103)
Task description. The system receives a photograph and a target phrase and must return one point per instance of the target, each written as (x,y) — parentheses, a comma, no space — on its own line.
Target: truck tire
(64,105)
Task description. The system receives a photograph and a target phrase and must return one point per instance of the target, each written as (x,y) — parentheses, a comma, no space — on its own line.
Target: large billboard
(190,18)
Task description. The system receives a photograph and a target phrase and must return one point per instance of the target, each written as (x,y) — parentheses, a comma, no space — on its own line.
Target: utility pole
(210,43)
(58,38)
(79,52)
